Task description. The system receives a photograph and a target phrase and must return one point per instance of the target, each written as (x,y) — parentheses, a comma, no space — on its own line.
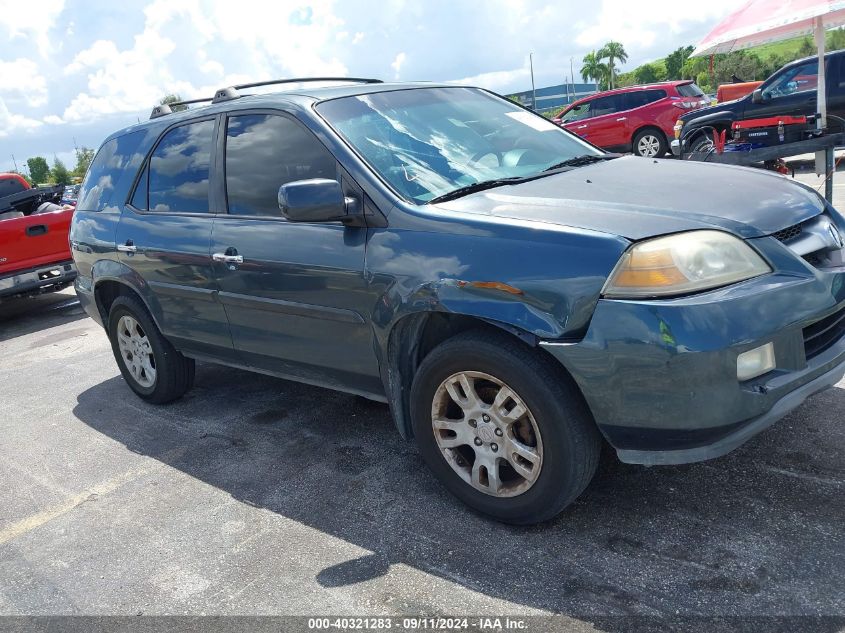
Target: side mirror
(316,200)
(757,96)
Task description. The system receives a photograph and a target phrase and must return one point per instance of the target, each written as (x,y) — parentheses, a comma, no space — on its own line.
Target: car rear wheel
(503,428)
(151,366)
(650,143)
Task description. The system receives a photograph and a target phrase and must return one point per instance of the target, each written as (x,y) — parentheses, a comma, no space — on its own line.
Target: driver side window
(577,113)
(799,79)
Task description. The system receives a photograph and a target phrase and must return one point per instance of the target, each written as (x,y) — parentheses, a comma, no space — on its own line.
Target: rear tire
(516,467)
(151,366)
(650,143)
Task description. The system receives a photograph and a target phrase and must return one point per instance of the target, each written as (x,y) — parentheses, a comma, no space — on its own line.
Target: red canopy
(762,21)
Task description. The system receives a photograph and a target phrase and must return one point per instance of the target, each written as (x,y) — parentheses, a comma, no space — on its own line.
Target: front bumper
(660,376)
(675,146)
(37,279)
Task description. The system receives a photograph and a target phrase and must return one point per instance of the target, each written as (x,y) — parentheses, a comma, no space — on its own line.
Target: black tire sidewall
(661,139)
(128,307)
(557,483)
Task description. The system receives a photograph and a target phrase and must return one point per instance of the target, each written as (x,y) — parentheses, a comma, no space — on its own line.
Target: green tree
(613,52)
(807,48)
(594,69)
(39,171)
(835,40)
(173,98)
(59,173)
(675,61)
(84,156)
(645,74)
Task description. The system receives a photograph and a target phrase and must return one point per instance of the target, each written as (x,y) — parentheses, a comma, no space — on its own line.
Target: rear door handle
(622,118)
(128,247)
(229,259)
(36,229)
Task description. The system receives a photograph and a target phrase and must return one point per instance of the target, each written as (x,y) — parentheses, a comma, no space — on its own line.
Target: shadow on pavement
(758,532)
(21,316)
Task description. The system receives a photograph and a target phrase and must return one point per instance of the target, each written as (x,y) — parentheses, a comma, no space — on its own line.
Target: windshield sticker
(533,121)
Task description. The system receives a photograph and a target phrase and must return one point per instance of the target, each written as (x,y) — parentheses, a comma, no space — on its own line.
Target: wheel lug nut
(494,447)
(478,441)
(473,423)
(499,432)
(485,417)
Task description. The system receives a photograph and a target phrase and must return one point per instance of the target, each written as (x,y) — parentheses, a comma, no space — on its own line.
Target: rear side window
(111,172)
(640,98)
(690,90)
(265,151)
(179,170)
(8,186)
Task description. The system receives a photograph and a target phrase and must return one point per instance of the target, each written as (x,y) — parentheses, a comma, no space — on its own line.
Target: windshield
(430,141)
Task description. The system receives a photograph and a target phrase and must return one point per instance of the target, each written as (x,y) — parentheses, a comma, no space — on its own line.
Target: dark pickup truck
(34,251)
(788,94)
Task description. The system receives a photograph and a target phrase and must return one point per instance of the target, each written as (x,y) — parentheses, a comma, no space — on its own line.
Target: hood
(638,198)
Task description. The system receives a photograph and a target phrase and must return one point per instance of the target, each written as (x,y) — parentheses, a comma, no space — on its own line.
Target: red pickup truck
(34,251)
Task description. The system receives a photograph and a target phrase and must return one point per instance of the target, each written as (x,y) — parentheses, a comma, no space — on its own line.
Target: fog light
(755,362)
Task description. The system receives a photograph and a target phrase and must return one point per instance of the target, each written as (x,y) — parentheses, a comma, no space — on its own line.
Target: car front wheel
(503,428)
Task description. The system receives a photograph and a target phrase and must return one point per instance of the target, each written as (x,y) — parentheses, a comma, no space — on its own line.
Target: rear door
(164,236)
(296,297)
(608,123)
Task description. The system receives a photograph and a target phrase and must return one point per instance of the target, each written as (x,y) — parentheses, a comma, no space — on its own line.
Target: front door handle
(228,259)
(36,229)
(580,127)
(622,118)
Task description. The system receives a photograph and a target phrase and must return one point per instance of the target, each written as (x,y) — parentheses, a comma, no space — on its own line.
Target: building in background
(552,98)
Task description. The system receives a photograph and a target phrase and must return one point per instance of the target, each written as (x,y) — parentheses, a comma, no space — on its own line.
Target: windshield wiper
(580,161)
(477,186)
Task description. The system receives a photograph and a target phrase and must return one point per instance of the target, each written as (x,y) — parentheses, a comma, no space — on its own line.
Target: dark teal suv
(517,296)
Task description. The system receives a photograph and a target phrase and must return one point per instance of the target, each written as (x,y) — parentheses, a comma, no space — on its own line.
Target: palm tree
(594,69)
(612,52)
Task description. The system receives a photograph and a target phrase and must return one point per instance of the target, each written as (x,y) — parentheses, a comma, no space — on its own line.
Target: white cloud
(497,80)
(397,63)
(31,20)
(10,122)
(20,80)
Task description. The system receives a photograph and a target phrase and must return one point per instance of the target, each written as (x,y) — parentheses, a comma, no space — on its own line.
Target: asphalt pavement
(254,495)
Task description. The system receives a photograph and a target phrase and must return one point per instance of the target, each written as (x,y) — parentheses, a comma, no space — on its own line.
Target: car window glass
(263,152)
(179,167)
(576,113)
(635,99)
(139,200)
(801,78)
(8,186)
(607,105)
(690,90)
(113,163)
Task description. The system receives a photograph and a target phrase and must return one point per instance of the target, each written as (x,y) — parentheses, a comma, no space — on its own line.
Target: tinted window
(797,79)
(114,163)
(576,113)
(640,98)
(263,152)
(607,105)
(8,186)
(139,200)
(690,90)
(178,178)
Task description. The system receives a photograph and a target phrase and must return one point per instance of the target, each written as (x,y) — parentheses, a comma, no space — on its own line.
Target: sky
(73,71)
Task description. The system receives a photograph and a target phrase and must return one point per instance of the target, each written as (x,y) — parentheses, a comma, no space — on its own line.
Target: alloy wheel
(648,146)
(136,351)
(487,434)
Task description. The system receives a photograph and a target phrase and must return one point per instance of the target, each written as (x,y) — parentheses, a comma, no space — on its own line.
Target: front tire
(151,366)
(503,428)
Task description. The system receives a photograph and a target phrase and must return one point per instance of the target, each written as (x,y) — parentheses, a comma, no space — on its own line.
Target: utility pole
(15,162)
(572,78)
(533,89)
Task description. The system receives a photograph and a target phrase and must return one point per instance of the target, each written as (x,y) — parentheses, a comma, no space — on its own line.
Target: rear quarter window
(111,173)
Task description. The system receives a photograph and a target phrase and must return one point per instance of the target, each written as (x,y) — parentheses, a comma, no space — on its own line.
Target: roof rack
(165,108)
(231,92)
(225,94)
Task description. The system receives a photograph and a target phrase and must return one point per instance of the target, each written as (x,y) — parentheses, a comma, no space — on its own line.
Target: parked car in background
(517,296)
(638,119)
(789,94)
(729,92)
(70,194)
(34,252)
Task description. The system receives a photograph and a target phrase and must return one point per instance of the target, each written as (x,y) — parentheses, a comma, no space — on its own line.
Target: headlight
(683,263)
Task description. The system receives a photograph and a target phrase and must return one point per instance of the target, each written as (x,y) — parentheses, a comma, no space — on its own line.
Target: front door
(295,293)
(607,122)
(791,92)
(164,236)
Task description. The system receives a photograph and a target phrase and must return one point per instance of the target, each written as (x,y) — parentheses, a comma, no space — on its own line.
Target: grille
(821,335)
(788,234)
